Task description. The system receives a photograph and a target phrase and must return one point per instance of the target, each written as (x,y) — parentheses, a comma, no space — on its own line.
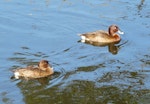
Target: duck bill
(120,32)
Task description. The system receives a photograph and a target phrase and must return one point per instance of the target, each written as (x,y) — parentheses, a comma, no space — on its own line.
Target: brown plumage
(42,70)
(102,36)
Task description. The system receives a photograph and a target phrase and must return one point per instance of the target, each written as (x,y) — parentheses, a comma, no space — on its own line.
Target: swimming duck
(42,70)
(103,36)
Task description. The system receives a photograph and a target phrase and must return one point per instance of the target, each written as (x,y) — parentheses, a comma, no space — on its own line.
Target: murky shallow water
(85,74)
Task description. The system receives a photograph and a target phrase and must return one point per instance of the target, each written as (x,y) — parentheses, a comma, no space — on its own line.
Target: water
(85,74)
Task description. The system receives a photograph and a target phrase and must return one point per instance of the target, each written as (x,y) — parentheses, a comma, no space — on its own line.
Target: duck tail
(16,75)
(83,38)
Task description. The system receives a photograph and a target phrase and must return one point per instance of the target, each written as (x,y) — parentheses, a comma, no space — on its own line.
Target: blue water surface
(33,30)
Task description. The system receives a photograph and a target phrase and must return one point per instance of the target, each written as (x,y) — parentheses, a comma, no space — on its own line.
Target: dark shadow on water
(78,92)
(91,68)
(140,6)
(112,47)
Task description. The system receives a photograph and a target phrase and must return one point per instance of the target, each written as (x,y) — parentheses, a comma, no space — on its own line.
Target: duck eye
(116,27)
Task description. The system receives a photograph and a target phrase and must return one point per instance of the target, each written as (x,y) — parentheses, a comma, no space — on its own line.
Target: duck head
(43,64)
(114,29)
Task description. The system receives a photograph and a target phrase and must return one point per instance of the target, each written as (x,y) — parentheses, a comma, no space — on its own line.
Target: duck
(102,36)
(43,69)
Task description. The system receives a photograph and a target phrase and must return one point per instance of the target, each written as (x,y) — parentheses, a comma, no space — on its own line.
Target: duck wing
(96,36)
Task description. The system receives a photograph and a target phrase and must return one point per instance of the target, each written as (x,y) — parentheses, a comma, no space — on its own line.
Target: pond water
(32,30)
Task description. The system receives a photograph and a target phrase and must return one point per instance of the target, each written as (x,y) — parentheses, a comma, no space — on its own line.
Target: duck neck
(50,69)
(110,32)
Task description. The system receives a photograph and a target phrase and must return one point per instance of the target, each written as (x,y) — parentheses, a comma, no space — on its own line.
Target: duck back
(99,36)
(30,73)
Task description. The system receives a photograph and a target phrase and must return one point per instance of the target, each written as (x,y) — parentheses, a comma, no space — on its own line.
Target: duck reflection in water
(112,47)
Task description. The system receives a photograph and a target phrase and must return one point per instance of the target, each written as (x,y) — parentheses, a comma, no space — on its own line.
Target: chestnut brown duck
(42,70)
(102,36)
